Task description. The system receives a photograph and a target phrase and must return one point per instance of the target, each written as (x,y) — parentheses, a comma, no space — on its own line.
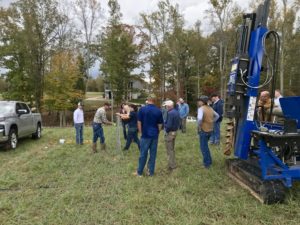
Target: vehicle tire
(12,139)
(38,132)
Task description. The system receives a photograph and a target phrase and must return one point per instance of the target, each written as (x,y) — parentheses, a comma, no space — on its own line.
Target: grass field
(94,94)
(43,182)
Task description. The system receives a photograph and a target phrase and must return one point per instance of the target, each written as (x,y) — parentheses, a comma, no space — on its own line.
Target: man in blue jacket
(218,108)
(183,113)
(171,125)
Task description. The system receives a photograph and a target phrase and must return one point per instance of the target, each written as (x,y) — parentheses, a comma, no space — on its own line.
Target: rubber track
(248,173)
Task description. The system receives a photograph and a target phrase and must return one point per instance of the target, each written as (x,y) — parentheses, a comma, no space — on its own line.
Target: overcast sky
(192,10)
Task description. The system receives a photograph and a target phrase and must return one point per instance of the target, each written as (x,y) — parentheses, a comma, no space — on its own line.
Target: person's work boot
(103,147)
(94,147)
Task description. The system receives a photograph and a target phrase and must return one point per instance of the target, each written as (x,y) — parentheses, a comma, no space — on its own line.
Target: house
(135,88)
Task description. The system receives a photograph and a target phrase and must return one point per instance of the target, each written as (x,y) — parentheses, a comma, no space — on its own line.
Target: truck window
(6,107)
(18,106)
(25,107)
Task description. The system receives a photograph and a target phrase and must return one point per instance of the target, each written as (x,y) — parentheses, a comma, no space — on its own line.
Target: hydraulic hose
(273,66)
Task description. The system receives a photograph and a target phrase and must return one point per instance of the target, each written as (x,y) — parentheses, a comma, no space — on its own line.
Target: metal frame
(273,168)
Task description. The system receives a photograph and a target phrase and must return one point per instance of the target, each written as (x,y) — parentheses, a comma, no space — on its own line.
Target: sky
(192,10)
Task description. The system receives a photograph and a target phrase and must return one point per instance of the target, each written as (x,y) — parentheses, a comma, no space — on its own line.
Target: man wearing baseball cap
(78,118)
(206,118)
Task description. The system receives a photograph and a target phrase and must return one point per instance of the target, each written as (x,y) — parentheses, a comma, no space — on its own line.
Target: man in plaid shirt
(99,120)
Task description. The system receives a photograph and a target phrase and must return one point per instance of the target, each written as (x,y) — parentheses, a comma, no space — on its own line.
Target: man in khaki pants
(171,125)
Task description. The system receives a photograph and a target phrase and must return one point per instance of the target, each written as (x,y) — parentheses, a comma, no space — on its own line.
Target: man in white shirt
(78,118)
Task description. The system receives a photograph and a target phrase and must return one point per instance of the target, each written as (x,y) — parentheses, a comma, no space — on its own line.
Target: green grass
(43,182)
(93,104)
(94,100)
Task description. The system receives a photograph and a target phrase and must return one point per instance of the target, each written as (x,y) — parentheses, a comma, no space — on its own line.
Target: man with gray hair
(171,125)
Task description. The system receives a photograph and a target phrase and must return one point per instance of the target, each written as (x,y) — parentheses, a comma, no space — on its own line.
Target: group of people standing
(149,121)
(98,122)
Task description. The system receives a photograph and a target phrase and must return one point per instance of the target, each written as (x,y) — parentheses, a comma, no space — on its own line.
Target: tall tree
(31,29)
(60,83)
(162,30)
(89,14)
(221,16)
(291,67)
(119,53)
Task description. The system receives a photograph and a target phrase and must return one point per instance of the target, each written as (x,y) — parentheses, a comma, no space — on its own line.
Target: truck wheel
(38,132)
(12,139)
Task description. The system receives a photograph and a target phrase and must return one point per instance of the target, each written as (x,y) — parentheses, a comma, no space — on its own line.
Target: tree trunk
(64,118)
(223,94)
(282,54)
(221,69)
(60,118)
(178,81)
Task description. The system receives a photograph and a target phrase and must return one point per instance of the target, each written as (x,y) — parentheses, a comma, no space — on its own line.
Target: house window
(130,84)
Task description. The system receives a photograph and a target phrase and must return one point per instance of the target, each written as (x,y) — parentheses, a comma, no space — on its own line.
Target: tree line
(48,48)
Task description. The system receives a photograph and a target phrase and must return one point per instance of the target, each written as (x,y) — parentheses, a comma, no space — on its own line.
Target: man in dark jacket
(218,108)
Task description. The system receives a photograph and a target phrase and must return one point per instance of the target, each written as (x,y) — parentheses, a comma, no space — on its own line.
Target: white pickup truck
(17,121)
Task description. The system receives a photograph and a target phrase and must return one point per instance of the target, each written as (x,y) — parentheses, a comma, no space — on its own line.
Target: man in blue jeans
(99,120)
(78,118)
(184,111)
(150,122)
(132,126)
(218,108)
(206,118)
